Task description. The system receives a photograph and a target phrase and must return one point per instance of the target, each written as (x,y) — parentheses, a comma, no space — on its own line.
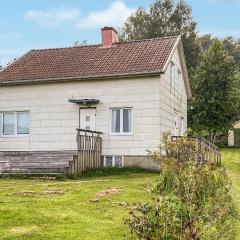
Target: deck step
(27,163)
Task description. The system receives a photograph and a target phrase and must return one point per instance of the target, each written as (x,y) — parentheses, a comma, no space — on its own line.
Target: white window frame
(113,160)
(172,74)
(179,78)
(15,124)
(121,133)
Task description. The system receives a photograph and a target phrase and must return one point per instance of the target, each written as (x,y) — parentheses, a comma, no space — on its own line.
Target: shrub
(190,201)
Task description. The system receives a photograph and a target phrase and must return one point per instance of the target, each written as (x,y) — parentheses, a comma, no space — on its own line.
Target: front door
(88,118)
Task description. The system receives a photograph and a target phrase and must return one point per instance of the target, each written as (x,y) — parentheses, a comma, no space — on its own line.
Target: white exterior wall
(171,101)
(53,120)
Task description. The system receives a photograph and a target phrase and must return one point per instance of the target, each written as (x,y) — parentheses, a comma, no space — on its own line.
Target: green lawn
(231,160)
(49,209)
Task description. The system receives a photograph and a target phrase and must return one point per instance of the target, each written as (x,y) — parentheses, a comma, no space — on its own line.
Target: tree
(231,45)
(215,103)
(165,18)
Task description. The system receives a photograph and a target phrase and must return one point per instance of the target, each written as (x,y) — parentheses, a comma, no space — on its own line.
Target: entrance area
(88,119)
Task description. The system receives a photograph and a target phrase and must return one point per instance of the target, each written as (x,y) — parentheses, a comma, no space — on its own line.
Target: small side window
(113,161)
(172,73)
(178,81)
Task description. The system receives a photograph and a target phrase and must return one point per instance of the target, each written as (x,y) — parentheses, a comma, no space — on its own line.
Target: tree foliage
(165,18)
(215,102)
(190,201)
(231,45)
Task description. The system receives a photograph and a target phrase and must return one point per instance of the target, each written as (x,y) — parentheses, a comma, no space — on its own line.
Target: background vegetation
(213,64)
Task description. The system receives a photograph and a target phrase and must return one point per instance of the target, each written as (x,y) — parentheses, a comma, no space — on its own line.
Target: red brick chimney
(109,37)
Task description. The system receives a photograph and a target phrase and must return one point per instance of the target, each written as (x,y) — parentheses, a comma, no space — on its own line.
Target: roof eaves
(99,77)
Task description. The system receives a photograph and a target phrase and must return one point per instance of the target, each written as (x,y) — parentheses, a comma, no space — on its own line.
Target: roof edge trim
(66,79)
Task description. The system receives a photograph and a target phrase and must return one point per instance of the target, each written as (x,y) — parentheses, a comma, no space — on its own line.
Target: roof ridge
(94,45)
(150,39)
(60,48)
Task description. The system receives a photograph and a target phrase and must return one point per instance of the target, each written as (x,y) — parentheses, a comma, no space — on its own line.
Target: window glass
(127,118)
(115,121)
(178,80)
(172,73)
(8,123)
(23,123)
(109,162)
(118,161)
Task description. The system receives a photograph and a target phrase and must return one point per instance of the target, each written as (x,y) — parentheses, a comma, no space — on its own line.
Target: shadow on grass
(91,173)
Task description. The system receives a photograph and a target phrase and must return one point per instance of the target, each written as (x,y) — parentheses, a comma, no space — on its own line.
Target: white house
(129,91)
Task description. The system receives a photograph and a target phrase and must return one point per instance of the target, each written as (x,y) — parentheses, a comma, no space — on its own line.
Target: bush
(190,201)
(109,171)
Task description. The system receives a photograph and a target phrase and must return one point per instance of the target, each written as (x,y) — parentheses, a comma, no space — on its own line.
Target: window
(23,123)
(178,81)
(15,123)
(121,121)
(175,77)
(113,161)
(8,123)
(172,74)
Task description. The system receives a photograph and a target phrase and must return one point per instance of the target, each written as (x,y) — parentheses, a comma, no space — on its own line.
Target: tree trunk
(212,135)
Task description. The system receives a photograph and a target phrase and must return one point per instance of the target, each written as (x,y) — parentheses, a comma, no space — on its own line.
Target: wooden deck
(205,151)
(89,152)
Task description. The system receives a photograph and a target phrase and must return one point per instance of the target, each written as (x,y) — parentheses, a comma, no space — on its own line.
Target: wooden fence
(205,151)
(89,152)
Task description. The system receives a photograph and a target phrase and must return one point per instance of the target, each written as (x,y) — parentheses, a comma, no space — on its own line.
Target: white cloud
(115,15)
(10,51)
(10,36)
(53,17)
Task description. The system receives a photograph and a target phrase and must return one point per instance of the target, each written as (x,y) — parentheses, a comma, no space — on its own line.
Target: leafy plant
(190,201)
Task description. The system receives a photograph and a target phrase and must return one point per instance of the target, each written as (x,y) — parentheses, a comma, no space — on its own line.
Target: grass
(231,160)
(38,209)
(48,209)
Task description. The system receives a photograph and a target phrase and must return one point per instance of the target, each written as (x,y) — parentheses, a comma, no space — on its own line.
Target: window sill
(121,134)
(15,136)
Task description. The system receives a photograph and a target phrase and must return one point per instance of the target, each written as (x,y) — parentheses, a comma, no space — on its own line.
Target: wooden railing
(205,151)
(89,152)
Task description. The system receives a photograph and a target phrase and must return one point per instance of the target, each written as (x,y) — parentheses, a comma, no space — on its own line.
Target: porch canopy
(85,102)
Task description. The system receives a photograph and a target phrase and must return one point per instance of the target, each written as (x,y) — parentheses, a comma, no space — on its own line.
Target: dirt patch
(107,192)
(67,183)
(53,191)
(44,192)
(24,230)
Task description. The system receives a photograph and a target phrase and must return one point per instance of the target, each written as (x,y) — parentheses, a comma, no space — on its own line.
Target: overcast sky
(31,24)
